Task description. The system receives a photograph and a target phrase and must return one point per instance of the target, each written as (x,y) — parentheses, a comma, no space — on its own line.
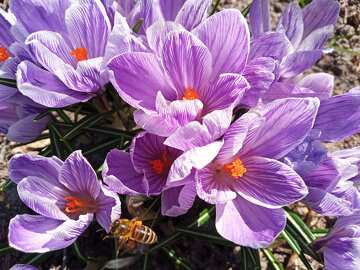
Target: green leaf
(6,250)
(246,10)
(179,261)
(291,241)
(273,261)
(303,3)
(64,116)
(300,226)
(8,82)
(136,28)
(207,236)
(250,259)
(120,263)
(215,6)
(107,145)
(78,252)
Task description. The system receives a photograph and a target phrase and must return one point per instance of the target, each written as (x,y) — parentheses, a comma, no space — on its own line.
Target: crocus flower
(144,171)
(245,180)
(297,44)
(68,59)
(341,247)
(65,195)
(187,75)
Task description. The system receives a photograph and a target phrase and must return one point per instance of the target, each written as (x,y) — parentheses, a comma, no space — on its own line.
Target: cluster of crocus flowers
(228,116)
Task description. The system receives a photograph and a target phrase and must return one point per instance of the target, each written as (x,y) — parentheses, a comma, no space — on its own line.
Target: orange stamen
(190,94)
(235,168)
(4,54)
(80,54)
(159,166)
(79,206)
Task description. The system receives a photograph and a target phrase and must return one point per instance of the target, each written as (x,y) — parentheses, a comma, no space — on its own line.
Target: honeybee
(130,233)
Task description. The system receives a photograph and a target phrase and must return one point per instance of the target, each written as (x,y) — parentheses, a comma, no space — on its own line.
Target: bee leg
(121,246)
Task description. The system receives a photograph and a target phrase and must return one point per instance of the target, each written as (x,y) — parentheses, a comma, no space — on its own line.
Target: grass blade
(273,261)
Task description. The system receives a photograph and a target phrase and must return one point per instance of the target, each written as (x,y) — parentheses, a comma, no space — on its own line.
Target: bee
(130,233)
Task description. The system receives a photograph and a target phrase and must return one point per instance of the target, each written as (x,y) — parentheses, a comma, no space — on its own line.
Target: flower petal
(176,201)
(192,13)
(25,165)
(317,39)
(256,227)
(227,36)
(187,62)
(32,233)
(259,17)
(171,8)
(211,189)
(119,174)
(78,176)
(46,198)
(287,123)
(137,78)
(269,183)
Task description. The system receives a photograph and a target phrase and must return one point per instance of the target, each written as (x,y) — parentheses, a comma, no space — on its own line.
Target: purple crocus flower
(341,247)
(65,195)
(187,75)
(67,59)
(298,41)
(244,180)
(144,171)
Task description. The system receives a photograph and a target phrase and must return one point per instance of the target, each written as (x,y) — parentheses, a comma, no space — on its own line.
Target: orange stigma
(235,168)
(190,94)
(4,54)
(79,206)
(159,166)
(80,54)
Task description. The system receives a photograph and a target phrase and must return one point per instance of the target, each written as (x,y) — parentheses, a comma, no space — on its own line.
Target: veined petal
(287,123)
(78,176)
(259,17)
(32,233)
(192,13)
(269,183)
(137,77)
(25,165)
(46,198)
(119,174)
(227,36)
(187,62)
(171,8)
(317,39)
(256,227)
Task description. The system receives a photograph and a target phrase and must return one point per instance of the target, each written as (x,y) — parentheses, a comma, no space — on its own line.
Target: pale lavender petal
(23,267)
(178,200)
(108,208)
(32,233)
(337,257)
(37,15)
(270,44)
(320,13)
(25,165)
(344,110)
(119,174)
(149,12)
(256,227)
(225,92)
(291,23)
(88,26)
(78,176)
(259,17)
(321,83)
(211,187)
(138,77)
(269,183)
(187,62)
(287,123)
(26,129)
(197,158)
(170,115)
(170,8)
(192,13)
(46,198)
(45,88)
(317,39)
(6,38)
(296,63)
(227,36)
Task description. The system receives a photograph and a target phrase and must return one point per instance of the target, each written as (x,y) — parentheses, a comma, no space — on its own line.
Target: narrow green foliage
(215,7)
(107,145)
(300,226)
(206,236)
(53,129)
(136,28)
(246,10)
(6,250)
(250,259)
(179,261)
(272,260)
(303,3)
(64,116)
(8,82)
(42,115)
(78,253)
(292,242)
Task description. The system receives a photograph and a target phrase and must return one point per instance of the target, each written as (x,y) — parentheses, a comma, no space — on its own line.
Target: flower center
(235,168)
(190,94)
(80,54)
(79,206)
(162,164)
(4,54)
